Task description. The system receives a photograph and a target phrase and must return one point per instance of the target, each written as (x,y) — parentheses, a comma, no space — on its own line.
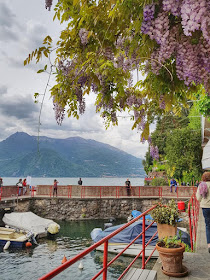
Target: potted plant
(166,217)
(171,254)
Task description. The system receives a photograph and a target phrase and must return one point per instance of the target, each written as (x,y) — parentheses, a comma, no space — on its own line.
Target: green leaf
(40,71)
(36,94)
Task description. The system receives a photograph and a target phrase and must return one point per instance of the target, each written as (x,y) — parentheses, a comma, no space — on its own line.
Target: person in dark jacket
(128,187)
(173,183)
(80,182)
(55,188)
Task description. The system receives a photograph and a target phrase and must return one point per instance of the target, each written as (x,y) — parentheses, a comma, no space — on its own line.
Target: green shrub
(159,182)
(166,214)
(161,167)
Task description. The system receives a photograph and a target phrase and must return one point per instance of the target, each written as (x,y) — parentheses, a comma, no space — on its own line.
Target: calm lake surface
(73,181)
(74,236)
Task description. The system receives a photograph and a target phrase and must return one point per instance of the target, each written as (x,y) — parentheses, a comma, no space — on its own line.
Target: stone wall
(75,209)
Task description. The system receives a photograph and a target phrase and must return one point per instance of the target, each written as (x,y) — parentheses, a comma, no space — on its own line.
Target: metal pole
(143,243)
(190,226)
(105,260)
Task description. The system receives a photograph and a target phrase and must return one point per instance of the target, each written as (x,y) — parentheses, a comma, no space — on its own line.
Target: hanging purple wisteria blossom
(154,152)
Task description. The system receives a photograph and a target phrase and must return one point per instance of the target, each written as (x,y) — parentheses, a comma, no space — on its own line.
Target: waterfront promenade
(198,263)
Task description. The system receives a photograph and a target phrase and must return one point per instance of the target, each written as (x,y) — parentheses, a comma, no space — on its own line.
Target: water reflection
(74,237)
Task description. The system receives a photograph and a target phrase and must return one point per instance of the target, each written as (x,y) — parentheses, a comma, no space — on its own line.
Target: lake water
(73,181)
(74,236)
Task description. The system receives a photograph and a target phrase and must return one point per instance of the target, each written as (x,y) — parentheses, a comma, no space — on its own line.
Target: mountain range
(23,155)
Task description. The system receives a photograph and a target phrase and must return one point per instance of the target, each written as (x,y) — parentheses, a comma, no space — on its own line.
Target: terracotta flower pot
(171,259)
(166,230)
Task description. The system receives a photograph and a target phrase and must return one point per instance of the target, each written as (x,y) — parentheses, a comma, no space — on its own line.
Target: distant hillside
(71,157)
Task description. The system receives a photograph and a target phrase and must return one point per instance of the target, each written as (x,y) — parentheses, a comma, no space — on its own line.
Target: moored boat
(28,221)
(123,238)
(10,238)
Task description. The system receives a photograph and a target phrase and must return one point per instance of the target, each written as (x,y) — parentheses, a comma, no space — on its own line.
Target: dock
(140,274)
(198,263)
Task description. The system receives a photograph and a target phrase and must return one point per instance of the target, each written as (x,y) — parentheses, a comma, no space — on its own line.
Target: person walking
(20,187)
(24,186)
(128,187)
(80,182)
(55,188)
(203,195)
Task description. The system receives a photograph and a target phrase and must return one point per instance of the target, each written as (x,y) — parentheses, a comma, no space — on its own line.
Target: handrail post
(190,225)
(105,260)
(0,193)
(100,191)
(70,191)
(81,190)
(193,214)
(143,243)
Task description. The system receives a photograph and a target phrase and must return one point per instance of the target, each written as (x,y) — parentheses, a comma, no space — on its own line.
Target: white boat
(28,221)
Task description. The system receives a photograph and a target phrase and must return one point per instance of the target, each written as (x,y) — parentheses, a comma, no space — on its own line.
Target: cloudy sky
(23,26)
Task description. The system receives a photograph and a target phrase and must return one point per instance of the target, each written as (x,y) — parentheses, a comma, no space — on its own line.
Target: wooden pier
(140,274)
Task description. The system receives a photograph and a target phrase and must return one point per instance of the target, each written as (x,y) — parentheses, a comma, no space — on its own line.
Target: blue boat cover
(132,231)
(129,233)
(136,213)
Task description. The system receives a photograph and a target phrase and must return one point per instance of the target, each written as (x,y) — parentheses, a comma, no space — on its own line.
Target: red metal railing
(115,191)
(105,241)
(75,191)
(193,214)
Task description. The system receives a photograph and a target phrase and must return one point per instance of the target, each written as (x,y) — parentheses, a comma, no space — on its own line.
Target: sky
(23,26)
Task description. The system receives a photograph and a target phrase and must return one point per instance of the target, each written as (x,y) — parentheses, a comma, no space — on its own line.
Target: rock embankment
(76,209)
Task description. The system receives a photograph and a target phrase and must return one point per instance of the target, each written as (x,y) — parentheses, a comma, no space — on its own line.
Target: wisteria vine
(179,30)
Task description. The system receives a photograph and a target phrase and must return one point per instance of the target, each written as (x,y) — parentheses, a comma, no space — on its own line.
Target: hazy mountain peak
(70,157)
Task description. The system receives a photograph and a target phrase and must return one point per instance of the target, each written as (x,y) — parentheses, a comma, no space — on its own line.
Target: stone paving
(198,264)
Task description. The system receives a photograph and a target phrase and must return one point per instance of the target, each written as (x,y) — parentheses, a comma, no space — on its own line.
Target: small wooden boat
(10,238)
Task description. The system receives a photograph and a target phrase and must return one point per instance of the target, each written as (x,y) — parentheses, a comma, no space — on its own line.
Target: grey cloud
(7,35)
(7,18)
(7,23)
(3,89)
(18,107)
(35,33)
(18,62)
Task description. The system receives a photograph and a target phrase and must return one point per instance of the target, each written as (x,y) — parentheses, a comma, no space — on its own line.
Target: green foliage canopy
(99,35)
(183,153)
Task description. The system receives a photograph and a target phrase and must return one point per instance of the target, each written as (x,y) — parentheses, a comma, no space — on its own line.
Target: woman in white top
(203,195)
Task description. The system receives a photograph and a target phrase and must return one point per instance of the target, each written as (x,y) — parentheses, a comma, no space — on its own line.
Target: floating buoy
(80,266)
(28,244)
(64,260)
(6,246)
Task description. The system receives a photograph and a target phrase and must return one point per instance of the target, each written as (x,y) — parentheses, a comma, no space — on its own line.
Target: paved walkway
(198,263)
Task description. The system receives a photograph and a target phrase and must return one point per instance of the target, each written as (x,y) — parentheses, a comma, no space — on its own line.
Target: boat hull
(13,244)
(16,239)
